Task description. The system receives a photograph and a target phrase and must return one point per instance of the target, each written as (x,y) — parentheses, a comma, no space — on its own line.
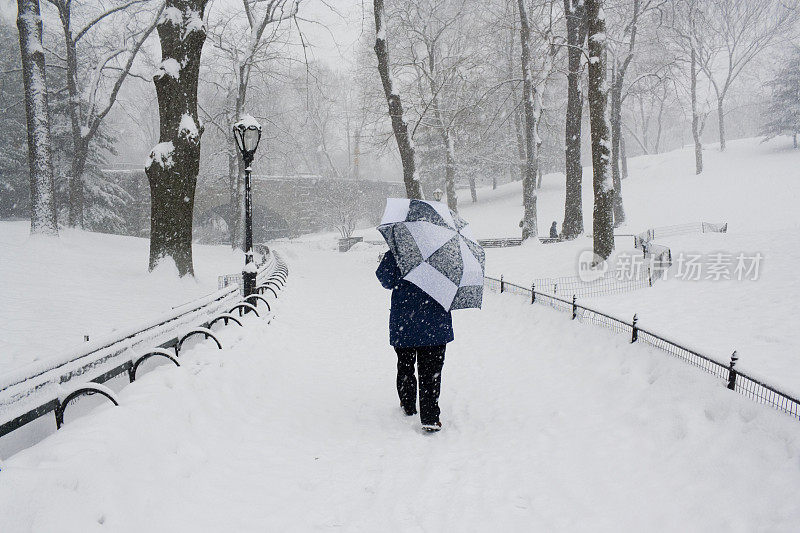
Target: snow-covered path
(549,425)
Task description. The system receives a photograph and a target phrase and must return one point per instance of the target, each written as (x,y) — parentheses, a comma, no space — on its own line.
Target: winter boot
(432,428)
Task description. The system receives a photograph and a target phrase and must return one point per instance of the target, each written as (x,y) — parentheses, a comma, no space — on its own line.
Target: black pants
(430,360)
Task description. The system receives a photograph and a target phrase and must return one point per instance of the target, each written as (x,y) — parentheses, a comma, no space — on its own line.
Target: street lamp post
(247,133)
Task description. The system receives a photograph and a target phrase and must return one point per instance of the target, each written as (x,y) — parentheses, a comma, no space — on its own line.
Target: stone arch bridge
(287,205)
(313,203)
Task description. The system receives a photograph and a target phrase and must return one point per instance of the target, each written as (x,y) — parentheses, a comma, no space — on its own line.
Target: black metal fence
(610,283)
(36,390)
(737,381)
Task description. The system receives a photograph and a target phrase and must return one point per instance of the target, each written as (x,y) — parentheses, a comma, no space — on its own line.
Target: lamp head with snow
(247,133)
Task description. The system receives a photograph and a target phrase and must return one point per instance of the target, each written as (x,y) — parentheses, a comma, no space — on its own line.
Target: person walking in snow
(554,230)
(419,330)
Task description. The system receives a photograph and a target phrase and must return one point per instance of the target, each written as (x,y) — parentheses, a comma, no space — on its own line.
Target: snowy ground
(57,291)
(758,318)
(549,425)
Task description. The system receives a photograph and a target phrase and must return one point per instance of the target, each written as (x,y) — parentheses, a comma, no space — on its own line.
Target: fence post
(732,372)
(574,307)
(635,328)
(501,283)
(649,276)
(533,293)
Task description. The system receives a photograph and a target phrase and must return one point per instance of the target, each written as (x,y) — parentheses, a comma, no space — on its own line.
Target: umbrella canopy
(435,250)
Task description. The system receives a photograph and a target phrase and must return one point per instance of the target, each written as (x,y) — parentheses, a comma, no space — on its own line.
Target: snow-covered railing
(505,242)
(47,386)
(744,384)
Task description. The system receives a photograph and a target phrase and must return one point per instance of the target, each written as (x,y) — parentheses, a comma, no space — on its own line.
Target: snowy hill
(754,187)
(57,291)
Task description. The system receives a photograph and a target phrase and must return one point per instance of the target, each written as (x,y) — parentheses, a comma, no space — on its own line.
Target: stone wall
(306,203)
(310,204)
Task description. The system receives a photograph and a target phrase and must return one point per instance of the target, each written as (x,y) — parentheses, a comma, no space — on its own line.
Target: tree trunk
(450,170)
(616,116)
(623,155)
(520,130)
(698,146)
(721,118)
(174,162)
(529,221)
(616,133)
(399,125)
(76,189)
(602,220)
(573,202)
(473,189)
(516,124)
(659,130)
(447,137)
(357,154)
(84,127)
(43,208)
(80,148)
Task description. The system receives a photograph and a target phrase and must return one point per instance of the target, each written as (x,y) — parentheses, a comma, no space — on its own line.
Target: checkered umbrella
(435,250)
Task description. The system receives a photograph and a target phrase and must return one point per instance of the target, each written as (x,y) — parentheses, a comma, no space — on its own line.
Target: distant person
(554,230)
(419,330)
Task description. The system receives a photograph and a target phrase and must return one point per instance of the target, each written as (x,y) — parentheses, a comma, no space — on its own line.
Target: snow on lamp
(247,133)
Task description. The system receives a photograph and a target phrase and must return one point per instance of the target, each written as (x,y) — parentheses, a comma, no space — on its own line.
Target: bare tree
(688,38)
(437,27)
(342,205)
(244,52)
(399,125)
(625,51)
(516,124)
(86,108)
(576,37)
(647,112)
(174,162)
(43,210)
(529,220)
(734,32)
(602,222)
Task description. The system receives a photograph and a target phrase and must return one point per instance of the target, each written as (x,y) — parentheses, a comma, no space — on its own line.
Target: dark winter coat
(553,232)
(416,319)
